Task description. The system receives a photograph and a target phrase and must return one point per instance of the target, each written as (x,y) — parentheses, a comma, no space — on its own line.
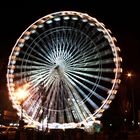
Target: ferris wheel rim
(117,71)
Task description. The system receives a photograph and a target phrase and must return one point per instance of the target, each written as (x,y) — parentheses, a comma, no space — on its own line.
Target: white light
(26,37)
(75,18)
(11,80)
(91,24)
(33,31)
(110,124)
(84,20)
(57,19)
(133,122)
(49,21)
(66,18)
(13,62)
(40,25)
(11,71)
(21,45)
(16,53)
(124,119)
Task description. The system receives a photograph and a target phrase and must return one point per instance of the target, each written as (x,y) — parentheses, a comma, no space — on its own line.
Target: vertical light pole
(130,77)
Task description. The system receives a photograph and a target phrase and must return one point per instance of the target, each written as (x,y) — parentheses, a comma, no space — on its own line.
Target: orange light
(129,74)
(21,93)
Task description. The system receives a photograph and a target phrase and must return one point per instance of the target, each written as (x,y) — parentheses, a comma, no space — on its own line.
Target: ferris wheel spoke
(47,49)
(102,45)
(74,49)
(94,105)
(68,104)
(79,59)
(80,41)
(82,57)
(105,70)
(90,82)
(31,98)
(60,43)
(74,53)
(28,67)
(51,97)
(96,54)
(86,98)
(37,83)
(34,109)
(43,49)
(68,50)
(42,75)
(54,52)
(30,74)
(38,55)
(48,82)
(37,73)
(38,79)
(86,87)
(66,47)
(27,61)
(44,39)
(76,108)
(45,69)
(97,38)
(75,98)
(87,46)
(50,88)
(30,103)
(88,59)
(36,112)
(92,76)
(91,64)
(35,57)
(85,42)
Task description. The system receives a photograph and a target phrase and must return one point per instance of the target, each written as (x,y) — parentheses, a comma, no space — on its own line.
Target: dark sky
(123,19)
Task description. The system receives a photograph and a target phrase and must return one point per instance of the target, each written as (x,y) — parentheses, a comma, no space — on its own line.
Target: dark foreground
(69,134)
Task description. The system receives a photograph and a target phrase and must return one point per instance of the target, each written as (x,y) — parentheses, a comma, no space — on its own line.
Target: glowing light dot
(129,75)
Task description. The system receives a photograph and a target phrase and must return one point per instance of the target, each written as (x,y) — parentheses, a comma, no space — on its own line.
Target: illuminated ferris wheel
(63,70)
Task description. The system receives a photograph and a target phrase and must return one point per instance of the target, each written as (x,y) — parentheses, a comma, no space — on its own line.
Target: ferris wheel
(63,70)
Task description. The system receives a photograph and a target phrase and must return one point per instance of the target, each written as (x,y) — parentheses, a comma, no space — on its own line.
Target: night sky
(123,19)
